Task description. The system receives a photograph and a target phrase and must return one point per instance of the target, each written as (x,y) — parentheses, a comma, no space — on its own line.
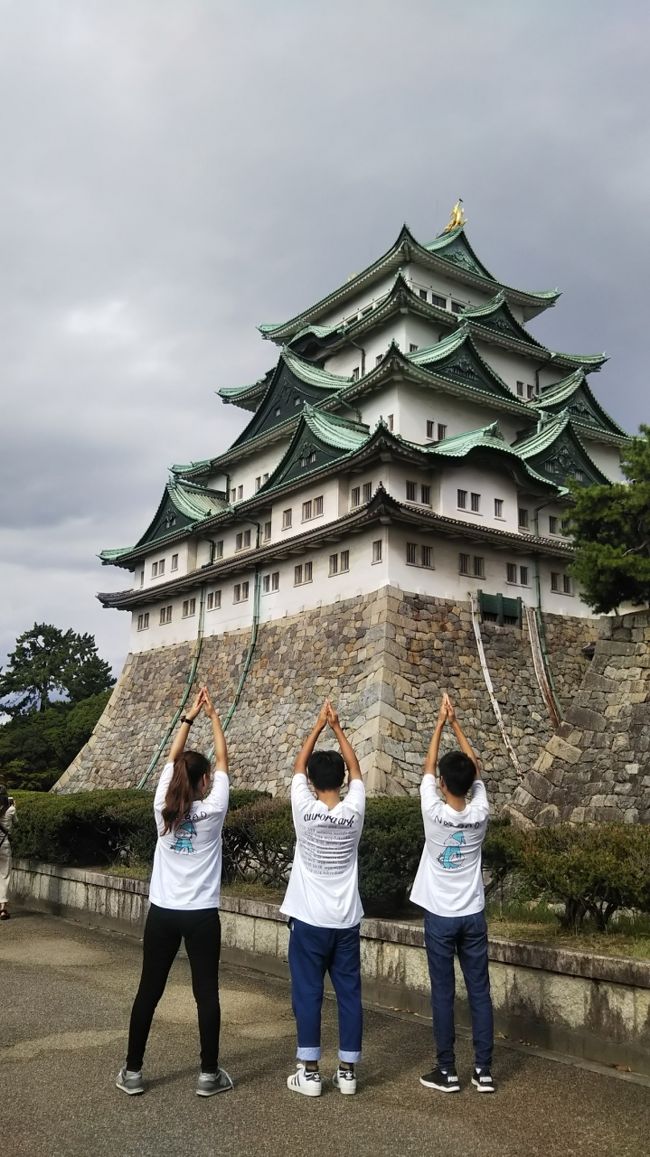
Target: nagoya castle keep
(390,523)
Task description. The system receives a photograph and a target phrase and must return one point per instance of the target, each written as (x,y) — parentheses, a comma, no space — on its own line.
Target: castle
(403,477)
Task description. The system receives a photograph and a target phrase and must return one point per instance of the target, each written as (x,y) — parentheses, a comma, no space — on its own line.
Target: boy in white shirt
(449,886)
(323,903)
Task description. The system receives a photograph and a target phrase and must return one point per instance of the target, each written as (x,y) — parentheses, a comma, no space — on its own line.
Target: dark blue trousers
(444,936)
(313,952)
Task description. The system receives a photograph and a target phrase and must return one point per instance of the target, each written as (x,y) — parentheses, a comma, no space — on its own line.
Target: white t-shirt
(187,862)
(323,887)
(449,880)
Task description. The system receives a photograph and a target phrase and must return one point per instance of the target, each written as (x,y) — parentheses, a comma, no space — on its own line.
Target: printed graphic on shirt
(451,857)
(328,845)
(185,832)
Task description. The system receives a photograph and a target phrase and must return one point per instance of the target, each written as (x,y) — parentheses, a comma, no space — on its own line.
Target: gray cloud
(175,174)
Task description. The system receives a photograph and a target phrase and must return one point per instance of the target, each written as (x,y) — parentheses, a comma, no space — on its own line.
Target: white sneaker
(309,1084)
(345,1081)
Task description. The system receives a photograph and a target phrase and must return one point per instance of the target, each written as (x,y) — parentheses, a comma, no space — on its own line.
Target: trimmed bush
(592,871)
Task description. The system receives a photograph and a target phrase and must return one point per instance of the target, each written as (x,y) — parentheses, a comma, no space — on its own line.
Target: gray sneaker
(210,1083)
(130,1083)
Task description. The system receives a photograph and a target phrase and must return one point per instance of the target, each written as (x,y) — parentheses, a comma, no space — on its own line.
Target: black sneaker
(446,1080)
(482,1081)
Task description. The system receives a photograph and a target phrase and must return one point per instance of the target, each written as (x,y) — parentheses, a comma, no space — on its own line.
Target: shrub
(592,871)
(389,853)
(503,851)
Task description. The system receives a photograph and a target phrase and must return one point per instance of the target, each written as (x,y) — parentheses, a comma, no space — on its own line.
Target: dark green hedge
(586,871)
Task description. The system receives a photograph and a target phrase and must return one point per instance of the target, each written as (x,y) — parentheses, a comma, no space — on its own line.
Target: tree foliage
(36,748)
(47,665)
(611,530)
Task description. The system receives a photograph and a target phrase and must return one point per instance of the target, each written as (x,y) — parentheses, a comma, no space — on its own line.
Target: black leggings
(164,930)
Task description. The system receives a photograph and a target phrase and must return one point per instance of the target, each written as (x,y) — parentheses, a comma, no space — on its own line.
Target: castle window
(318,506)
(367,491)
(302,574)
(218,549)
(565,526)
(463,563)
(161,567)
(555,581)
(243,540)
(520,389)
(498,507)
(344,562)
(475,500)
(267,530)
(379,359)
(523,576)
(553,524)
(143,621)
(213,602)
(479,567)
(441,302)
(522,516)
(355,496)
(376,550)
(165,615)
(461,499)
(174,564)
(286,519)
(334,565)
(141,578)
(233,494)
(425,495)
(355,374)
(411,554)
(306,510)
(154,570)
(258,482)
(265,477)
(240,493)
(419,555)
(511,572)
(240,592)
(457,307)
(423,294)
(442,431)
(431,429)
(271,582)
(426,556)
(189,608)
(411,491)
(390,422)
(530,393)
(567,585)
(413,347)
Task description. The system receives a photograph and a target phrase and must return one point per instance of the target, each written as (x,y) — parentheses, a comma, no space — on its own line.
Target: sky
(176,172)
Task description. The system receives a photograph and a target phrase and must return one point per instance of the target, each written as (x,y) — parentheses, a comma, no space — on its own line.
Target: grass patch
(628,935)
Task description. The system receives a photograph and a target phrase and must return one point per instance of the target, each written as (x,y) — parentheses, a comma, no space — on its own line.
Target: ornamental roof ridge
(550,428)
(563,390)
(451,343)
(488,437)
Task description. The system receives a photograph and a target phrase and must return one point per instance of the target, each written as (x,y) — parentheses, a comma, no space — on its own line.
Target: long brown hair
(189,769)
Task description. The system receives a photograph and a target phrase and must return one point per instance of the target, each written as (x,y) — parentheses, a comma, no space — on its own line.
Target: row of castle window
(526,390)
(158,567)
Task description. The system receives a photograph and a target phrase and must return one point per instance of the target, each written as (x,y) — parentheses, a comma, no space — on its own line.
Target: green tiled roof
(453,249)
(311,374)
(335,431)
(561,393)
(485,438)
(195,502)
(182,505)
(190,467)
(544,436)
(559,428)
(446,347)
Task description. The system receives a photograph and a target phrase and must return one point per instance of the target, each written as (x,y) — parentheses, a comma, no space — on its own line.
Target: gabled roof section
(497,317)
(557,451)
(182,505)
(319,440)
(454,246)
(574,395)
(450,251)
(457,357)
(247,397)
(293,383)
(489,440)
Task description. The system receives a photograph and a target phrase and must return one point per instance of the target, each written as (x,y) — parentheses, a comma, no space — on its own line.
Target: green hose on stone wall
(184,697)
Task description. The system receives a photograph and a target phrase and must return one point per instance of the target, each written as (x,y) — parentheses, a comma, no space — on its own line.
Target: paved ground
(65,994)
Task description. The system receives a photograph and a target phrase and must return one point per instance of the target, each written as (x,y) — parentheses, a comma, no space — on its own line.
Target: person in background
(449,886)
(7,819)
(323,904)
(189,808)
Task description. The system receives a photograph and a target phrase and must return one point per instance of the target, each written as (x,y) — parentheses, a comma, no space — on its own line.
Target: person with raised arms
(449,886)
(323,904)
(189,806)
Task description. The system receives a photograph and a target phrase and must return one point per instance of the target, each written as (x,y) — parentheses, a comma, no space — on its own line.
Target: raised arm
(220,747)
(347,751)
(431,758)
(300,766)
(180,739)
(463,741)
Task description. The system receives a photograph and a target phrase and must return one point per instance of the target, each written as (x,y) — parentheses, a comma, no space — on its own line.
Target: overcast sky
(175,172)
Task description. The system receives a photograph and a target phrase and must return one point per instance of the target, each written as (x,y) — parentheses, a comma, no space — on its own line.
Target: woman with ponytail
(189,807)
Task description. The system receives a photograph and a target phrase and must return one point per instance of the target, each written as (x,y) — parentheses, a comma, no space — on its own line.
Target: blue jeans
(444,936)
(313,952)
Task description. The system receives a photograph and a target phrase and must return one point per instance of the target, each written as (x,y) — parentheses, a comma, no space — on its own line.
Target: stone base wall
(597,768)
(385,660)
